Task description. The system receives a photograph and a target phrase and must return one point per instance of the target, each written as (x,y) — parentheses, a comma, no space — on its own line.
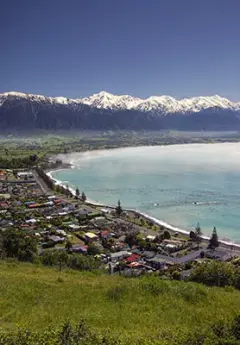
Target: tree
(77,192)
(107,243)
(33,158)
(166,235)
(93,249)
(84,197)
(67,191)
(131,239)
(119,208)
(18,245)
(213,242)
(68,246)
(192,235)
(57,189)
(198,233)
(176,275)
(62,259)
(214,273)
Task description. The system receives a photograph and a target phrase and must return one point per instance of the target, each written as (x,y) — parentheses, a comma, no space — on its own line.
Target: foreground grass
(36,298)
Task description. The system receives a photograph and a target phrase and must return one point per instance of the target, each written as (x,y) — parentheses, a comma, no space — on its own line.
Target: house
(82,214)
(32,220)
(51,197)
(56,239)
(148,254)
(90,237)
(77,248)
(118,256)
(132,258)
(61,232)
(62,214)
(98,221)
(5,196)
(160,261)
(4,205)
(25,174)
(150,238)
(105,234)
(171,247)
(74,227)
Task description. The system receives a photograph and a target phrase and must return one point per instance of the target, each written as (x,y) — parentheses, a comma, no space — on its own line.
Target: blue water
(180,184)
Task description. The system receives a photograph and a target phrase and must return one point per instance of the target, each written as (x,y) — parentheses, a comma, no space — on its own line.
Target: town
(62,225)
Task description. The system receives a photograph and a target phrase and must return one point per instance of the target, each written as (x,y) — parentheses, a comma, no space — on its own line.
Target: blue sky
(75,48)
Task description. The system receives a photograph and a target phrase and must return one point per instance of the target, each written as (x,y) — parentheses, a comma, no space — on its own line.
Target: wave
(206,203)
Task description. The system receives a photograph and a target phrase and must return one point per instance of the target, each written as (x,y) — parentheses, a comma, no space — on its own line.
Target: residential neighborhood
(122,242)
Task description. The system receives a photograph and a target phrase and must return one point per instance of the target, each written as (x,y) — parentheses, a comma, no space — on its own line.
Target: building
(90,237)
(25,174)
(119,255)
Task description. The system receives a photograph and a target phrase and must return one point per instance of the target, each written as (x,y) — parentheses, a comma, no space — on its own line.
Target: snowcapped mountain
(166,104)
(107,111)
(105,100)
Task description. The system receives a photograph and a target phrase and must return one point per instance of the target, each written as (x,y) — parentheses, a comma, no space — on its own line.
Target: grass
(37,297)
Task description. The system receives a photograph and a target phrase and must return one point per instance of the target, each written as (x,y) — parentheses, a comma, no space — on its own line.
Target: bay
(180,184)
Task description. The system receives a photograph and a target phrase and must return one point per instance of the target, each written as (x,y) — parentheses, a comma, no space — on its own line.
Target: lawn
(37,297)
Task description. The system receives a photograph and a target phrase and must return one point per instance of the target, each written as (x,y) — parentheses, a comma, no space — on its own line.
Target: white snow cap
(163,104)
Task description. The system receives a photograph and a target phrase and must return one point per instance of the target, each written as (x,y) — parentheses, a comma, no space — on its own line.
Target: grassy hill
(36,298)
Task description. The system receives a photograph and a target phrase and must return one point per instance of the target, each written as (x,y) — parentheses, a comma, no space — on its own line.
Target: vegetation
(119,209)
(15,244)
(35,147)
(77,192)
(120,310)
(198,234)
(217,273)
(83,197)
(213,242)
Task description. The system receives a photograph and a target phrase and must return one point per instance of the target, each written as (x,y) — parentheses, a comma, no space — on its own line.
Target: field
(36,298)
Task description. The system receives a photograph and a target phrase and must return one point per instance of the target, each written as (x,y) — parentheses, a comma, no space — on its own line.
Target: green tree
(166,235)
(119,208)
(77,192)
(176,275)
(68,246)
(213,242)
(192,235)
(198,234)
(84,197)
(131,239)
(18,245)
(93,249)
(62,259)
(214,273)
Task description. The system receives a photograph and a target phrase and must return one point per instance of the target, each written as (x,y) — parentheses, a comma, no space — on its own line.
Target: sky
(75,48)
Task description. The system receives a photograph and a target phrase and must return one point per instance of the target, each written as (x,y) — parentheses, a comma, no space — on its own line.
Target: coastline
(155,220)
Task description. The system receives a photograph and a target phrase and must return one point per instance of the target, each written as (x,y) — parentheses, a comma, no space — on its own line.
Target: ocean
(180,184)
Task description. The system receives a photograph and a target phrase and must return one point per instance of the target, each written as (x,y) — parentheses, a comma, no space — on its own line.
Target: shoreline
(155,220)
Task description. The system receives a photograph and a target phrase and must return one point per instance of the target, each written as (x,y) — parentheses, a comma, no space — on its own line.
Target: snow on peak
(166,104)
(155,104)
(107,100)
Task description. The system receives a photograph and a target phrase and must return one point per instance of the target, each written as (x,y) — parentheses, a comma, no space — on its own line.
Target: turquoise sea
(180,184)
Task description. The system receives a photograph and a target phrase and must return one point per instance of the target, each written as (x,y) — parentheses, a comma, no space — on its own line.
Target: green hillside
(37,298)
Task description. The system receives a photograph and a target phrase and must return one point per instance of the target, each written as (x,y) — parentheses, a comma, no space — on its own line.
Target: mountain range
(105,111)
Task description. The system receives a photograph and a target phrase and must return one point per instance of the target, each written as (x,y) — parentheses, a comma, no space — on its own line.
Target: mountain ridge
(106,100)
(105,111)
